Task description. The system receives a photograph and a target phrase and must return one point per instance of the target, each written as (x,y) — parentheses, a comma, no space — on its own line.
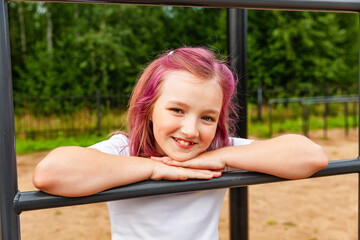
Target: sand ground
(313,209)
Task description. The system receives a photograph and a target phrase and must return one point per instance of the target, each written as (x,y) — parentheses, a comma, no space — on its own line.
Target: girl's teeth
(183,142)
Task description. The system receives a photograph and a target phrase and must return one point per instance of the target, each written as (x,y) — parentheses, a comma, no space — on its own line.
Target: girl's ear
(151,113)
(150,116)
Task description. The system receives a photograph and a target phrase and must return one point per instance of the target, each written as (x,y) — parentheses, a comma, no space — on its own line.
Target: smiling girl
(178,128)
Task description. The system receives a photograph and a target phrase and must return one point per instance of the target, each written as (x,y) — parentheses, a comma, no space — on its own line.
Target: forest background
(66,50)
(75,49)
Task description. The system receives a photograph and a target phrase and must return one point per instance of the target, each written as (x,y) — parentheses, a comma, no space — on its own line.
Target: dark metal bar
(9,220)
(239,213)
(326,111)
(359,115)
(303,111)
(317,100)
(297,5)
(359,132)
(259,103)
(270,120)
(346,118)
(33,200)
(354,115)
(307,119)
(237,39)
(98,111)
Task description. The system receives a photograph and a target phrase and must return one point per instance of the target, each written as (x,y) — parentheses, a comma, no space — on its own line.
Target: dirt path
(313,209)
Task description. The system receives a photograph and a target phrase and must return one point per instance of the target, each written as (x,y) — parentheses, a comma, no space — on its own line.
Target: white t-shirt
(179,216)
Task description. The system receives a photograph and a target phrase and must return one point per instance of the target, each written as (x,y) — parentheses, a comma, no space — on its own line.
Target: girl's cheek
(171,124)
(208,133)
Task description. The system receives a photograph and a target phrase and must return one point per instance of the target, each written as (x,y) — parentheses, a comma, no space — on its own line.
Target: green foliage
(290,50)
(79,48)
(75,49)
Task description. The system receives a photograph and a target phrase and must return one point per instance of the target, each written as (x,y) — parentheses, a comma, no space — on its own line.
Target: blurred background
(74,66)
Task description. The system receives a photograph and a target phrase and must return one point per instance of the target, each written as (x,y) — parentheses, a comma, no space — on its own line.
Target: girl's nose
(189,128)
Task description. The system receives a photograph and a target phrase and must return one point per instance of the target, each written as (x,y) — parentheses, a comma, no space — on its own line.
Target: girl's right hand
(162,171)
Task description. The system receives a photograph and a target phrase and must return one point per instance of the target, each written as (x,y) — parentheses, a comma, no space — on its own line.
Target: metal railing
(305,105)
(97,114)
(13,202)
(33,200)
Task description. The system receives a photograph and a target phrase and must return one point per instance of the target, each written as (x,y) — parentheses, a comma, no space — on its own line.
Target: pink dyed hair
(198,61)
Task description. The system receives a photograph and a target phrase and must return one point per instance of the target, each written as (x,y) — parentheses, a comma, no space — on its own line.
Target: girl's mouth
(183,143)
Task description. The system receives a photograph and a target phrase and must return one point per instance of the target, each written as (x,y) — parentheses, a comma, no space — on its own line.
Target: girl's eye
(208,119)
(176,110)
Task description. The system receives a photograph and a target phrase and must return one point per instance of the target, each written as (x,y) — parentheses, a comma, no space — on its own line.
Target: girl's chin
(182,157)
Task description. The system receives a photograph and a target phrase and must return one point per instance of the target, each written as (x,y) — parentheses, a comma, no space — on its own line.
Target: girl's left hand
(203,161)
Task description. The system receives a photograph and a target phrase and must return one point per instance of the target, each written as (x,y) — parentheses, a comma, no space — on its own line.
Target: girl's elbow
(313,163)
(317,161)
(39,182)
(320,159)
(42,179)
(44,176)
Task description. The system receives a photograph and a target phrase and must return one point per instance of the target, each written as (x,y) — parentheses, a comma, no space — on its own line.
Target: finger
(203,174)
(170,162)
(159,159)
(194,164)
(200,175)
(217,173)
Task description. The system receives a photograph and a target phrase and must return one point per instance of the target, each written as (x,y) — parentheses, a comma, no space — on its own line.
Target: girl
(178,124)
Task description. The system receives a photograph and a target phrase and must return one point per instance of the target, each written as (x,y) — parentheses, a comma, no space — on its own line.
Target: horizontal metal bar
(297,5)
(319,99)
(25,201)
(339,100)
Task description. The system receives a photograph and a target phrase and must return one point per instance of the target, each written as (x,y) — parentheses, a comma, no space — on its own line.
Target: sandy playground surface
(312,209)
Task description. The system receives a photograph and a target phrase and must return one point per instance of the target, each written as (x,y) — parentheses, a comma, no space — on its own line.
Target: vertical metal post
(326,111)
(359,133)
(354,115)
(270,120)
(307,119)
(237,39)
(259,102)
(303,109)
(98,111)
(9,220)
(346,118)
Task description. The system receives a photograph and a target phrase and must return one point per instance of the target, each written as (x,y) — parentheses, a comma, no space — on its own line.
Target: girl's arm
(77,171)
(288,156)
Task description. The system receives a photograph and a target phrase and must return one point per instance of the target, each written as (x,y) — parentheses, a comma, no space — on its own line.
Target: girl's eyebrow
(175,102)
(181,104)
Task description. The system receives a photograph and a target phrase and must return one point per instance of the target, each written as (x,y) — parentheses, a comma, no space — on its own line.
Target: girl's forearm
(289,156)
(77,171)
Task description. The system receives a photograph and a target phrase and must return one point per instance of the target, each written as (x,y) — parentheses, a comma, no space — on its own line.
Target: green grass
(29,145)
(285,119)
(290,120)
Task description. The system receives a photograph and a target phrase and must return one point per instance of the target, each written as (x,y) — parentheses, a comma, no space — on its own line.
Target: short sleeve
(237,142)
(240,141)
(116,145)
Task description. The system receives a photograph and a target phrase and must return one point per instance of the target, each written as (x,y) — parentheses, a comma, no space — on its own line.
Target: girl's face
(185,116)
